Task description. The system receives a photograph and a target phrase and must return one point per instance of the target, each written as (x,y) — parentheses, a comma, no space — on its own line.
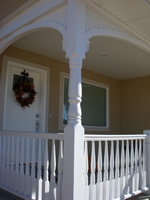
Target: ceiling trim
(31,28)
(117,35)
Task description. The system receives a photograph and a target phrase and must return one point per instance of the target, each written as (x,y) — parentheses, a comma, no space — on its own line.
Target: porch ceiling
(133,14)
(108,56)
(111,57)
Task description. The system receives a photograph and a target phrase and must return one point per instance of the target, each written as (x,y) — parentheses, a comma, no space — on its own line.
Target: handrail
(88,137)
(55,136)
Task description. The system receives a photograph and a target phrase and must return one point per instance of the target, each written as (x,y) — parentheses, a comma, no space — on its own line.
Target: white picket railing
(31,164)
(114,166)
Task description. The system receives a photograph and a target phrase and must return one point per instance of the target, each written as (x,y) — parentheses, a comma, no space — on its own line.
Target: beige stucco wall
(135,105)
(129,99)
(55,68)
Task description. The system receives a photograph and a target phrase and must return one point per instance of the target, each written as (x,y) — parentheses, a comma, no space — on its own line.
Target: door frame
(45,73)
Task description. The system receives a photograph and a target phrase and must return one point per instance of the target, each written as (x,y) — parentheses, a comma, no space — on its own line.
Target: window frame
(64,75)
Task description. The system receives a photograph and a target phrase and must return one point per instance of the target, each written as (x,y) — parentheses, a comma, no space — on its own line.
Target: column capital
(75,61)
(76,29)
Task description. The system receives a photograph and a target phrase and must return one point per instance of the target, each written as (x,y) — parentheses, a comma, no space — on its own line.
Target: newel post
(73,185)
(147,158)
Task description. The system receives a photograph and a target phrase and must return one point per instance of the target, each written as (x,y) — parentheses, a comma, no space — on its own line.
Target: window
(94,104)
(18,78)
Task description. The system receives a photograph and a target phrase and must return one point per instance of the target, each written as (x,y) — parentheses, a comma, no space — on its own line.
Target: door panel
(15,117)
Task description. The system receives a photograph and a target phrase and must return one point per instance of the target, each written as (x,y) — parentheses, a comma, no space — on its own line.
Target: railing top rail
(55,136)
(113,137)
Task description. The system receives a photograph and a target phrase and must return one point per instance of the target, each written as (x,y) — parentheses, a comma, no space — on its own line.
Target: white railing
(114,166)
(31,164)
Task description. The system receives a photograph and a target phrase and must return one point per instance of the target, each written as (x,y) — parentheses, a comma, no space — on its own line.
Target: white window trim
(91,82)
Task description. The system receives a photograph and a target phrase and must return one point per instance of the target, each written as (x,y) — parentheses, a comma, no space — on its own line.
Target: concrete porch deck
(4,195)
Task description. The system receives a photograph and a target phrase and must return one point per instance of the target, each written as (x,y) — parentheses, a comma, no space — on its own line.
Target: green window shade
(94,106)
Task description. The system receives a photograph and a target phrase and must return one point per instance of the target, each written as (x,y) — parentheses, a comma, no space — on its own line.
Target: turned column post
(73,185)
(75,91)
(75,47)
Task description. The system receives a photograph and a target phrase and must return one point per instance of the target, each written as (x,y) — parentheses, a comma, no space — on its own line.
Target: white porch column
(75,47)
(73,185)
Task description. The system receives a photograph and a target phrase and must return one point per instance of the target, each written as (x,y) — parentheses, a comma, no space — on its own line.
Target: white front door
(17,118)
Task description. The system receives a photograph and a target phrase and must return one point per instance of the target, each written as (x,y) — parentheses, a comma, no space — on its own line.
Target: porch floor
(136,197)
(4,195)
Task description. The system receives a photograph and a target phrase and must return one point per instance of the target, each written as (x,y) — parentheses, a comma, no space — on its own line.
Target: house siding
(135,109)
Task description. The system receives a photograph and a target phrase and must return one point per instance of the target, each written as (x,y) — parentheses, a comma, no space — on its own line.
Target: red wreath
(20,89)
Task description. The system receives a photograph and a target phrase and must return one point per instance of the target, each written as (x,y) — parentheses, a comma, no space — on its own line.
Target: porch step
(4,195)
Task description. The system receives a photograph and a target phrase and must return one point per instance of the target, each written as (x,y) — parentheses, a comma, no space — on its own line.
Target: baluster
(4,173)
(53,171)
(112,181)
(27,169)
(144,169)
(99,185)
(21,179)
(60,169)
(132,186)
(17,165)
(53,163)
(33,172)
(136,166)
(117,179)
(99,163)
(86,171)
(39,176)
(106,164)
(128,182)
(92,178)
(122,169)
(86,164)
(140,166)
(45,193)
(12,167)
(8,163)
